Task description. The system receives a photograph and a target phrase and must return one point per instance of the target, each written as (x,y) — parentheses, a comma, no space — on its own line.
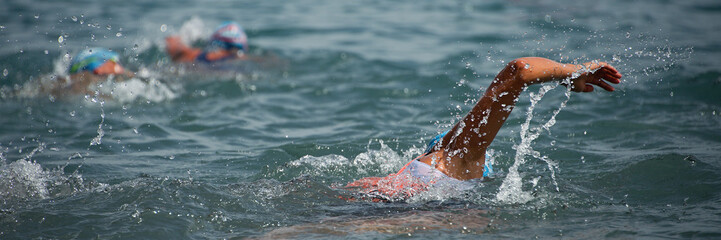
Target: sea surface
(349,89)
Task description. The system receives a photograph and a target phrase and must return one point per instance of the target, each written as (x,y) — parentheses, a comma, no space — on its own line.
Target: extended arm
(461,153)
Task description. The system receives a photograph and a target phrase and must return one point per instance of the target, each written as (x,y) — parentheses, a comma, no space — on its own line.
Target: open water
(350,90)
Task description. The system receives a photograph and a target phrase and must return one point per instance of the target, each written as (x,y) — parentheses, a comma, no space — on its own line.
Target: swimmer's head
(230,35)
(99,61)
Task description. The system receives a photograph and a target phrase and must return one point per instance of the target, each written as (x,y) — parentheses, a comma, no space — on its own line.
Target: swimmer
(460,155)
(88,67)
(228,42)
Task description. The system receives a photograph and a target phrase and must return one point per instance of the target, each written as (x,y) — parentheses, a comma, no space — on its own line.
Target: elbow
(519,66)
(516,71)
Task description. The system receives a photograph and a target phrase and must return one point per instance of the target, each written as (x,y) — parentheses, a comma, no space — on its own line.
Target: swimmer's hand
(594,73)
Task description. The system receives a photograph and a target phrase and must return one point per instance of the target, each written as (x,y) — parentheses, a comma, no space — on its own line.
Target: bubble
(5,72)
(46,52)
(37,16)
(548,18)
(108,27)
(61,39)
(163,28)
(119,34)
(74,18)
(72,114)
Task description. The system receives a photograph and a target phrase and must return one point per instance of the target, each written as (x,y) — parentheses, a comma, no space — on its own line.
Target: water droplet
(74,18)
(548,18)
(72,114)
(46,52)
(119,34)
(628,35)
(37,16)
(163,28)
(5,72)
(108,27)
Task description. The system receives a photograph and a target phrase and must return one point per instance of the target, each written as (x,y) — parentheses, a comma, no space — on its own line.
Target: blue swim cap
(90,59)
(230,35)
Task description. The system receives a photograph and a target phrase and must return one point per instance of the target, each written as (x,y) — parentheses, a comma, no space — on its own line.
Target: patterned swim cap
(90,59)
(230,35)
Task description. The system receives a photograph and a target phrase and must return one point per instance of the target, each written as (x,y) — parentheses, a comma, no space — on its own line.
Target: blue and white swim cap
(230,35)
(90,59)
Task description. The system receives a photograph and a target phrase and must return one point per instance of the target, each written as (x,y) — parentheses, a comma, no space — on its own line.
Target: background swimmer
(461,154)
(228,42)
(88,67)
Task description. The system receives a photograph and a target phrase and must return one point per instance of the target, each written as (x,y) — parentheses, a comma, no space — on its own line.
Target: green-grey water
(351,90)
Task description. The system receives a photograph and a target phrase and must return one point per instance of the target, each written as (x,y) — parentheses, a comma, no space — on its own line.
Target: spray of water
(99,139)
(511,189)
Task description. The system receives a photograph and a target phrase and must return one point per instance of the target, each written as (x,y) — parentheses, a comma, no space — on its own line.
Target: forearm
(178,51)
(532,70)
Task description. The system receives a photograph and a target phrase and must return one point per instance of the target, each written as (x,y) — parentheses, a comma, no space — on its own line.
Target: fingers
(603,85)
(602,75)
(609,74)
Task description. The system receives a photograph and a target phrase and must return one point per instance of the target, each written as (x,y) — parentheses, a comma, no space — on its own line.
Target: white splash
(25,179)
(385,158)
(97,140)
(511,189)
(138,88)
(194,30)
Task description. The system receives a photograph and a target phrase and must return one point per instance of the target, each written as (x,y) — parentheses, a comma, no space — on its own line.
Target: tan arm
(461,153)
